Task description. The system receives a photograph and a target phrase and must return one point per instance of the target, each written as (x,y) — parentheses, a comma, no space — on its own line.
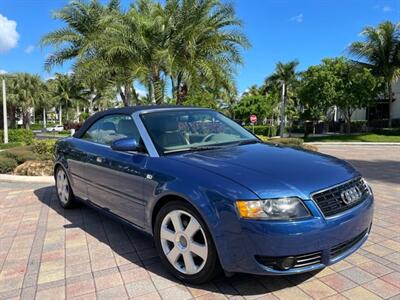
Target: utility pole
(282,124)
(5,123)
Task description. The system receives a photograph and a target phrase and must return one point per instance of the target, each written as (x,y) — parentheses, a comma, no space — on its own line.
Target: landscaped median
(31,160)
(292,142)
(377,136)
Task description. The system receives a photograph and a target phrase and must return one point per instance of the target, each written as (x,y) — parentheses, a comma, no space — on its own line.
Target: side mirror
(126,144)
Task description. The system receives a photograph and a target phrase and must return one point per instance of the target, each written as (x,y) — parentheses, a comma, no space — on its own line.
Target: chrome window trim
(334,186)
(151,149)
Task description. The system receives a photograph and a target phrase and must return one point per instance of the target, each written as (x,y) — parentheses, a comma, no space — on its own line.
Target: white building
(381,110)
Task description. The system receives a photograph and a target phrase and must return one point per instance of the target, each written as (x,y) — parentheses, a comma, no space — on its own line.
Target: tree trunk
(173,88)
(44,117)
(13,121)
(60,115)
(348,121)
(158,85)
(390,103)
(25,119)
(178,92)
(135,95)
(125,95)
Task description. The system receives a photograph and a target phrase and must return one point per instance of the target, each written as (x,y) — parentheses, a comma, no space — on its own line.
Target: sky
(279,30)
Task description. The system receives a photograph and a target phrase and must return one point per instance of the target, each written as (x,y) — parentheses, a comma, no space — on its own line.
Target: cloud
(298,19)
(3,72)
(8,34)
(29,49)
(386,8)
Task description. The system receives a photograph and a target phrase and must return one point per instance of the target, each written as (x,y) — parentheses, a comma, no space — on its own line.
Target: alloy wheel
(62,186)
(184,242)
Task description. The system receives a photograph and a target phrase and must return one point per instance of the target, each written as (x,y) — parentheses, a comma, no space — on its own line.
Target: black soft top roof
(122,111)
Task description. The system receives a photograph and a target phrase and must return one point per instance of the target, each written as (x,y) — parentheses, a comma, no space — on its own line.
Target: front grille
(330,201)
(343,247)
(302,261)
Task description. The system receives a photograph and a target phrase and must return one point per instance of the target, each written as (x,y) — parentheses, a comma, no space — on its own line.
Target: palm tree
(204,46)
(192,42)
(82,23)
(284,76)
(65,91)
(25,92)
(380,51)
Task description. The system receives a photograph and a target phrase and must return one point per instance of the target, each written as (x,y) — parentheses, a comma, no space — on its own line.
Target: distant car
(57,128)
(212,194)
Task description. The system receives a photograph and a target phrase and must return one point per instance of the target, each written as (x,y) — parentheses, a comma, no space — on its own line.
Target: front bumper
(331,239)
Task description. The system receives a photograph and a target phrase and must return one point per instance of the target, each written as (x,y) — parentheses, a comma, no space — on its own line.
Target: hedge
(7,164)
(20,154)
(265,130)
(44,148)
(24,136)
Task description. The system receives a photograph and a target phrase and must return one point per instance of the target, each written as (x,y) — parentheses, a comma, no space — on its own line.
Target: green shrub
(288,141)
(10,145)
(387,131)
(24,136)
(36,126)
(293,142)
(44,148)
(7,164)
(265,130)
(358,126)
(20,154)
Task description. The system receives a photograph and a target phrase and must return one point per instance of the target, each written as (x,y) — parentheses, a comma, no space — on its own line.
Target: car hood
(272,171)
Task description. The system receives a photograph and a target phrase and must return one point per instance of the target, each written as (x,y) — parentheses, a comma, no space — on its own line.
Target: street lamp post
(5,123)
(282,113)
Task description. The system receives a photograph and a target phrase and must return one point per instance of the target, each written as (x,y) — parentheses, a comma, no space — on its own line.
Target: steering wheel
(207,137)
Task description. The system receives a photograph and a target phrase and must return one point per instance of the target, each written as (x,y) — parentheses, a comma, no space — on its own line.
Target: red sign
(253,119)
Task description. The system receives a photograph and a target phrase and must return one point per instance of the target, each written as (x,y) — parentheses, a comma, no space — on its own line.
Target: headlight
(273,209)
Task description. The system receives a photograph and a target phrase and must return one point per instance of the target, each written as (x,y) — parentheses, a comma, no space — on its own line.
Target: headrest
(108,126)
(126,127)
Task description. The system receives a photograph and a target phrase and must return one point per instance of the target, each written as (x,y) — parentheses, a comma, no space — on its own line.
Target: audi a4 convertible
(212,195)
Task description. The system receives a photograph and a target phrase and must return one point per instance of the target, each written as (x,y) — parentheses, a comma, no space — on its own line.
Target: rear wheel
(64,191)
(185,244)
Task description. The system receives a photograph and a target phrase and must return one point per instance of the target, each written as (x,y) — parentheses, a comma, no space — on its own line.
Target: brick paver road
(51,253)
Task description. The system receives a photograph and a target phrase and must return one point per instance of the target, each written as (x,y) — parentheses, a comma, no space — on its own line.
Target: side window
(111,128)
(92,133)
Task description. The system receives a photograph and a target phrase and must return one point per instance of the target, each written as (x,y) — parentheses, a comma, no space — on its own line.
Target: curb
(27,179)
(352,144)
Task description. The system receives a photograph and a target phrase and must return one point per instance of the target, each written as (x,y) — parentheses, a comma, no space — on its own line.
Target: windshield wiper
(247,142)
(196,148)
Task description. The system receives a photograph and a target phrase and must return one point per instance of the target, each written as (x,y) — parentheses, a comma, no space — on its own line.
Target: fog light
(287,262)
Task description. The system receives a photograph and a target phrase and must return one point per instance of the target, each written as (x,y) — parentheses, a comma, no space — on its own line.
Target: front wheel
(185,244)
(64,191)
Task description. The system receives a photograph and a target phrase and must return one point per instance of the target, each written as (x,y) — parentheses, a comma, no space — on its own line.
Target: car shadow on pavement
(133,249)
(379,170)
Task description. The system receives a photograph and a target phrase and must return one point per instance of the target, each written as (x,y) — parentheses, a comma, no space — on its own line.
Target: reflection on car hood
(272,171)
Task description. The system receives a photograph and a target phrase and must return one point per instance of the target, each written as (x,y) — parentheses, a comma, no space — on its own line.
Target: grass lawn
(366,137)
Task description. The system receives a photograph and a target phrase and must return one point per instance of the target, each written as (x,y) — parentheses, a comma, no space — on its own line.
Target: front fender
(213,196)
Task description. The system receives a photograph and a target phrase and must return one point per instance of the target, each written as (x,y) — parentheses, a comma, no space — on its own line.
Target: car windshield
(193,130)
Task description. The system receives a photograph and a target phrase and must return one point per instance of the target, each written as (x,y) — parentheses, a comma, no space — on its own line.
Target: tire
(65,195)
(188,252)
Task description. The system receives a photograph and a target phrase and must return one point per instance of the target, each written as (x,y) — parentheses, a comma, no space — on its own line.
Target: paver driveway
(51,253)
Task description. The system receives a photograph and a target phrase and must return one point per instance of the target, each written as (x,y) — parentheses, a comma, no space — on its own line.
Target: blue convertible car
(213,195)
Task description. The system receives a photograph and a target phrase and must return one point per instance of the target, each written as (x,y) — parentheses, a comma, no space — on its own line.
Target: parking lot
(51,253)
